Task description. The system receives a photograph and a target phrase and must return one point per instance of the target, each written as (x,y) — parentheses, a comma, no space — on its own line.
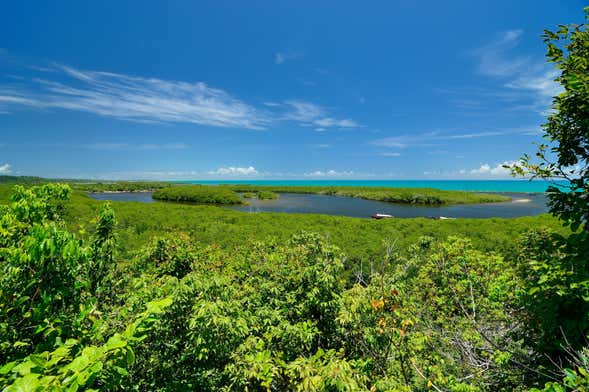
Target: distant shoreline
(481,186)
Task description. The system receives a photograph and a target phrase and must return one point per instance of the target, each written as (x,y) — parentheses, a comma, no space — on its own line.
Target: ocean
(503,186)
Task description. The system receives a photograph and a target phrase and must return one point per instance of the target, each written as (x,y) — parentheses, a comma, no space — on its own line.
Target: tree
(555,269)
(567,128)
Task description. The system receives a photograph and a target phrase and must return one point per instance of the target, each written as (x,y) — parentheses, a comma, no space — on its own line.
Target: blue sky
(273,89)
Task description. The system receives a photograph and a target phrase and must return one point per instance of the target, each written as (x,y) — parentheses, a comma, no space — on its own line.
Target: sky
(396,89)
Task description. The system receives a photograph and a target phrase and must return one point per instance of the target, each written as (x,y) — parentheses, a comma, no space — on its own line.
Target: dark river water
(143,197)
(523,204)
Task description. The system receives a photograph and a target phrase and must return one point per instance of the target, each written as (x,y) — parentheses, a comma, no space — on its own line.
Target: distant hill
(22,180)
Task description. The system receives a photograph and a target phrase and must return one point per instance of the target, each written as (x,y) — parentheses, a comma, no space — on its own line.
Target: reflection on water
(523,204)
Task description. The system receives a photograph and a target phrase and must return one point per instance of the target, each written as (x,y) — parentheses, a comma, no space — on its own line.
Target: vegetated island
(260,195)
(419,196)
(199,194)
(266,195)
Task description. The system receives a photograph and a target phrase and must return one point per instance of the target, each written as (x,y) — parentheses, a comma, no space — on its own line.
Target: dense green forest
(199,194)
(175,297)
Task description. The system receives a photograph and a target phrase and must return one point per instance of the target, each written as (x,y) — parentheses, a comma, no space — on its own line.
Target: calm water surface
(523,204)
(143,197)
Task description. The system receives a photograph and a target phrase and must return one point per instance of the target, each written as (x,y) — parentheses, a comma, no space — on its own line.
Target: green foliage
(198,194)
(103,248)
(575,379)
(289,313)
(50,328)
(266,195)
(72,366)
(567,127)
(555,275)
(555,269)
(41,280)
(172,255)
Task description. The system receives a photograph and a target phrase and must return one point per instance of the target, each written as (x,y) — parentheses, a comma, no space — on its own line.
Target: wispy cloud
(234,171)
(390,154)
(153,100)
(127,146)
(135,98)
(281,57)
(329,173)
(493,59)
(530,78)
(434,138)
(5,169)
(310,114)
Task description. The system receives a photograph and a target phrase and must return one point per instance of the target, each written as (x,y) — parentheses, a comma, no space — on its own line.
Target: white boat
(381,216)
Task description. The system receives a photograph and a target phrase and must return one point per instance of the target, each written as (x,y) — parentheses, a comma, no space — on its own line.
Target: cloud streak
(531,78)
(153,100)
(329,173)
(138,147)
(234,171)
(434,138)
(137,99)
(313,115)
(282,57)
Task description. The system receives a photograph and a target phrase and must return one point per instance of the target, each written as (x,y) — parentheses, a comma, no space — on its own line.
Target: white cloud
(310,114)
(329,173)
(235,171)
(390,154)
(137,99)
(484,171)
(491,171)
(5,169)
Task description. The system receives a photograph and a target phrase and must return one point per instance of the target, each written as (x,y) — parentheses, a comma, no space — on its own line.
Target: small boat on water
(381,216)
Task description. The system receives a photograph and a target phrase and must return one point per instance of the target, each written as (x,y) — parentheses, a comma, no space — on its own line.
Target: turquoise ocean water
(518,186)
